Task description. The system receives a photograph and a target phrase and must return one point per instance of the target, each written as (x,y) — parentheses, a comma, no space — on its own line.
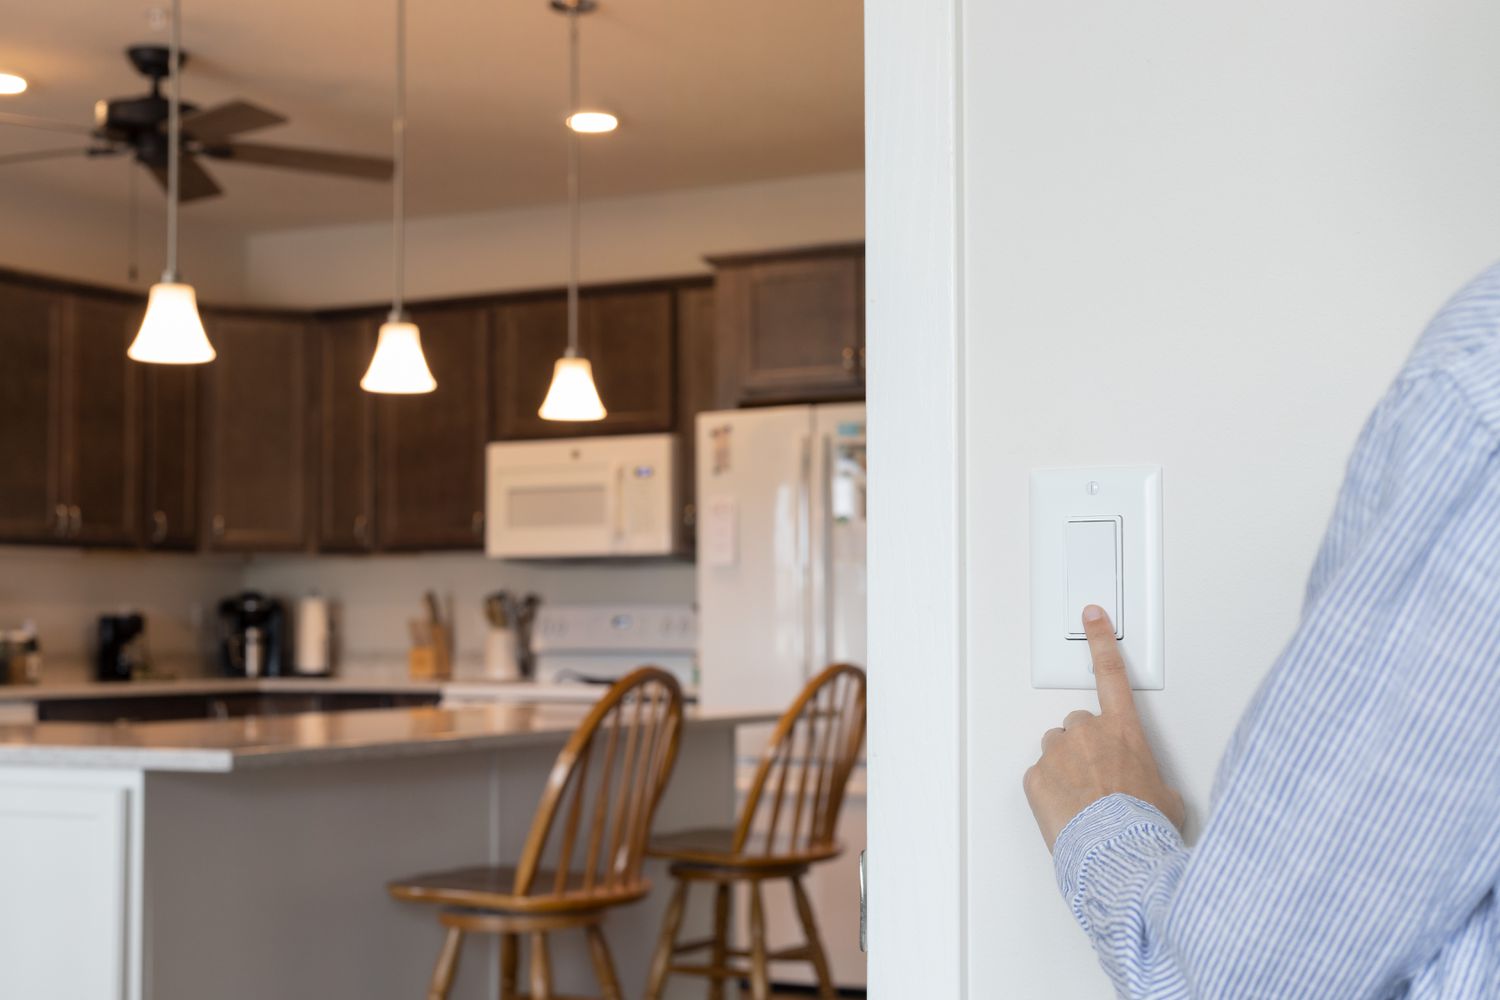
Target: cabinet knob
(476,523)
(361,529)
(848,359)
(75,520)
(218,525)
(689,515)
(60,520)
(159,527)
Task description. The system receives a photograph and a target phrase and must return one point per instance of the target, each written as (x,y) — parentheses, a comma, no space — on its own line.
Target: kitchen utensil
(20,656)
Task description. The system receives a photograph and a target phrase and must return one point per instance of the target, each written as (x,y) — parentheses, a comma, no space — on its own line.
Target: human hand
(1092,756)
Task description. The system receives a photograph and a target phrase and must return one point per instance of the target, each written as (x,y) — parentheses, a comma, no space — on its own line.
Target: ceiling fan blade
(372,168)
(225,120)
(194,182)
(28,121)
(55,154)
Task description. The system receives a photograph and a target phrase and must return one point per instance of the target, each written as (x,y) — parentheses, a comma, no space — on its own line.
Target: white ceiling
(708,92)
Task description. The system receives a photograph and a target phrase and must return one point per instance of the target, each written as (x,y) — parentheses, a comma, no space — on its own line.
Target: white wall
(1202,235)
(624,239)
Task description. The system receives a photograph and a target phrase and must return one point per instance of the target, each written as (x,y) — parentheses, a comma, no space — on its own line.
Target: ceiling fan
(138,126)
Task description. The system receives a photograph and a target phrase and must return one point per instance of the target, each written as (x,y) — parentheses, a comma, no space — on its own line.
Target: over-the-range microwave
(583,498)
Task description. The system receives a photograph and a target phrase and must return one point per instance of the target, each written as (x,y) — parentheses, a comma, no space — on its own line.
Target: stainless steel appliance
(252,635)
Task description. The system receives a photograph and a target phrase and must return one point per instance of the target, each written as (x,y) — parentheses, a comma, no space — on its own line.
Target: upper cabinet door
(31,504)
(626,335)
(791,328)
(346,480)
(101,422)
(256,454)
(170,468)
(431,447)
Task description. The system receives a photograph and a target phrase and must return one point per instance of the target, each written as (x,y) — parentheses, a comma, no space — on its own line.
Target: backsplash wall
(375,596)
(65,590)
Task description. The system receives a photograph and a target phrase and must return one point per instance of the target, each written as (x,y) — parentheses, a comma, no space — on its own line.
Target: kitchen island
(247,857)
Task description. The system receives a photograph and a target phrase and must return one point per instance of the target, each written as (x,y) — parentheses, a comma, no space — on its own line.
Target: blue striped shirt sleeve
(1353,846)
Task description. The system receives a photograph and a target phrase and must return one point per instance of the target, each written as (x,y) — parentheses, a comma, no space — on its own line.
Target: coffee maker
(122,646)
(252,635)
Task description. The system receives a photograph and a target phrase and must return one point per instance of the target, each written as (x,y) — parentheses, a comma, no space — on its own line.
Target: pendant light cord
(573,207)
(174,142)
(398,180)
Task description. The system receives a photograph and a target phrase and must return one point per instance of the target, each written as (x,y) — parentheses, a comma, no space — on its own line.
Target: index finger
(1115,696)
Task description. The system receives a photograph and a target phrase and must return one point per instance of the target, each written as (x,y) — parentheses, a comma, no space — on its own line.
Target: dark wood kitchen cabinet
(257,452)
(431,446)
(346,418)
(628,335)
(69,418)
(31,345)
(791,326)
(101,421)
(170,462)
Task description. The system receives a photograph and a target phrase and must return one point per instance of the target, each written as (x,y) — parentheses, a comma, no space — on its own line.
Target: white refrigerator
(781,594)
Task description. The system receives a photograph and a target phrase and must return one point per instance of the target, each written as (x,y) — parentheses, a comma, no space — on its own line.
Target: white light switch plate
(1131,493)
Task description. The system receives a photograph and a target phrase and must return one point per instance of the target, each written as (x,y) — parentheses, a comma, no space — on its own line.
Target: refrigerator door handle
(617,518)
(804,550)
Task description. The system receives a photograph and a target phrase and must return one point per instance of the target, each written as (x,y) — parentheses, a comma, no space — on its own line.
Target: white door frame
(914,259)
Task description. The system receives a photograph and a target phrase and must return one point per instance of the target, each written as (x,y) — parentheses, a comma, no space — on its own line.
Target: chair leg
(604,966)
(447,965)
(541,967)
(720,949)
(661,962)
(760,973)
(510,960)
(819,957)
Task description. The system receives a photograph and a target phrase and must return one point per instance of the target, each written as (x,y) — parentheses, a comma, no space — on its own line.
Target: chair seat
(493,888)
(714,848)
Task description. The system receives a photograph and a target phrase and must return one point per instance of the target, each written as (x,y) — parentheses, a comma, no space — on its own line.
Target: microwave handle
(617,518)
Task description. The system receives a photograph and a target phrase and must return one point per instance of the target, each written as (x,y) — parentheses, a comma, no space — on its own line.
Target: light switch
(1092,551)
(1096,538)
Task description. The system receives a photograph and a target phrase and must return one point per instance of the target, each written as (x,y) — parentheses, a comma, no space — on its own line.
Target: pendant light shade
(171,333)
(572,395)
(398,367)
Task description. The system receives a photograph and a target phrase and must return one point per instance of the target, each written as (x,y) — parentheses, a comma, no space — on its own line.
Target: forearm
(1118,865)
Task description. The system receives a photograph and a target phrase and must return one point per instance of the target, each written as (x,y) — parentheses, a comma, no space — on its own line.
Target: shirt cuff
(1101,822)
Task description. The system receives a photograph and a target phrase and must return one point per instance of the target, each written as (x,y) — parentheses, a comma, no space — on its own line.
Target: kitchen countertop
(509,690)
(223,745)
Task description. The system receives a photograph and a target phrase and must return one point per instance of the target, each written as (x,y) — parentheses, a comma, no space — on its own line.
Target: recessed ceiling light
(11,84)
(592,121)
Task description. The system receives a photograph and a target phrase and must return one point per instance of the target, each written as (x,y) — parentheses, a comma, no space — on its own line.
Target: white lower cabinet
(64,907)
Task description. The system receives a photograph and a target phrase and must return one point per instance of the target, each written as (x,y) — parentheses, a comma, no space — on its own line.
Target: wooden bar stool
(604,788)
(787,825)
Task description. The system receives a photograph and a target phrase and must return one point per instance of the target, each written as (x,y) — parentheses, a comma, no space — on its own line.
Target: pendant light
(172,332)
(398,366)
(572,395)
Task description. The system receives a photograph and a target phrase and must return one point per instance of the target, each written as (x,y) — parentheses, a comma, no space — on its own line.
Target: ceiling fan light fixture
(572,395)
(172,332)
(11,84)
(592,122)
(398,366)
